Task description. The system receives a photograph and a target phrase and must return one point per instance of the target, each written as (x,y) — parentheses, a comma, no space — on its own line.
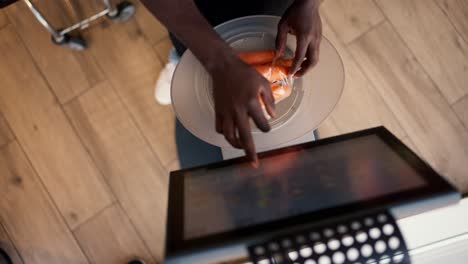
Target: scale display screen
(232,201)
(227,198)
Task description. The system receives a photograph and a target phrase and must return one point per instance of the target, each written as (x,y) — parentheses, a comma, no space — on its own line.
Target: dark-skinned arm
(185,21)
(236,86)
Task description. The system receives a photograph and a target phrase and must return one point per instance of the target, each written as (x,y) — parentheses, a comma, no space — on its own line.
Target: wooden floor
(85,151)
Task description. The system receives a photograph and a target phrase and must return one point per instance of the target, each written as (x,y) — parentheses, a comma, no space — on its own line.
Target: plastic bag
(281,84)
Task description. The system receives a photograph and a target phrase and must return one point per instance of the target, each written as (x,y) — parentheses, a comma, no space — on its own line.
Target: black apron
(219,11)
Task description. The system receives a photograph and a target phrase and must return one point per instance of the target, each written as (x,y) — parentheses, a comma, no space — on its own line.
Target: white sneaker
(163,85)
(162,91)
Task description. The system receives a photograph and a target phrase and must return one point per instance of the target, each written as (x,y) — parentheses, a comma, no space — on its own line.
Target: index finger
(246,139)
(307,63)
(299,56)
(281,38)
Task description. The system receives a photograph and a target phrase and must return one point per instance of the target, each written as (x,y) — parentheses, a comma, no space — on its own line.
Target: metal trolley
(121,12)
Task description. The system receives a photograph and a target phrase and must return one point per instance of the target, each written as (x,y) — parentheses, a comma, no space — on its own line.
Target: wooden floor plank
(350,19)
(3,19)
(6,135)
(434,41)
(173,166)
(163,49)
(35,226)
(134,173)
(111,238)
(68,73)
(461,108)
(8,247)
(360,105)
(152,29)
(43,130)
(77,10)
(418,105)
(133,74)
(457,12)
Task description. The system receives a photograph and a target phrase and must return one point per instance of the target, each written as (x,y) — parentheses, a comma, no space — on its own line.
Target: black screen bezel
(175,242)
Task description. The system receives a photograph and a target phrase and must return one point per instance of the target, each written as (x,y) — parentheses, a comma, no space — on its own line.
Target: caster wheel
(125,11)
(4,258)
(136,261)
(72,42)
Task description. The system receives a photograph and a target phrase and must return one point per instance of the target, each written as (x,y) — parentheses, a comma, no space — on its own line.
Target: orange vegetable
(257,57)
(272,74)
(263,57)
(284,63)
(261,61)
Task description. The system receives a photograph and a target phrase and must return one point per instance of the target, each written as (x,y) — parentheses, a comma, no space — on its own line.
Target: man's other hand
(302,19)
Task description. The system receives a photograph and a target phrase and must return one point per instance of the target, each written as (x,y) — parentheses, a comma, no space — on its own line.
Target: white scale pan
(313,98)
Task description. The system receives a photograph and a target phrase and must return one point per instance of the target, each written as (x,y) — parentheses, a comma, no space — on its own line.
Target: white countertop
(438,235)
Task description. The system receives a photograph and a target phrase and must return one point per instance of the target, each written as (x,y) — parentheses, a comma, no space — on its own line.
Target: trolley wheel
(4,258)
(72,42)
(125,11)
(136,261)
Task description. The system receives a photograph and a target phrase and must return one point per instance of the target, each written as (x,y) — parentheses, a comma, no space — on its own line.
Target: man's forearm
(185,21)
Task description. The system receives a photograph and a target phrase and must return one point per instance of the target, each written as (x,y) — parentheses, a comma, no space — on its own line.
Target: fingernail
(255,163)
(273,113)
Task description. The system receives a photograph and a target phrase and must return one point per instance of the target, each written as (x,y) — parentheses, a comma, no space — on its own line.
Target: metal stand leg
(121,12)
(55,34)
(109,6)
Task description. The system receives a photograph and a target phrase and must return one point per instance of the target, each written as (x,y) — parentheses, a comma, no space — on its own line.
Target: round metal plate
(314,95)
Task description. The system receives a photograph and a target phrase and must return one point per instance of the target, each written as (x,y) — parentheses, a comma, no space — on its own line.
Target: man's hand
(237,88)
(303,20)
